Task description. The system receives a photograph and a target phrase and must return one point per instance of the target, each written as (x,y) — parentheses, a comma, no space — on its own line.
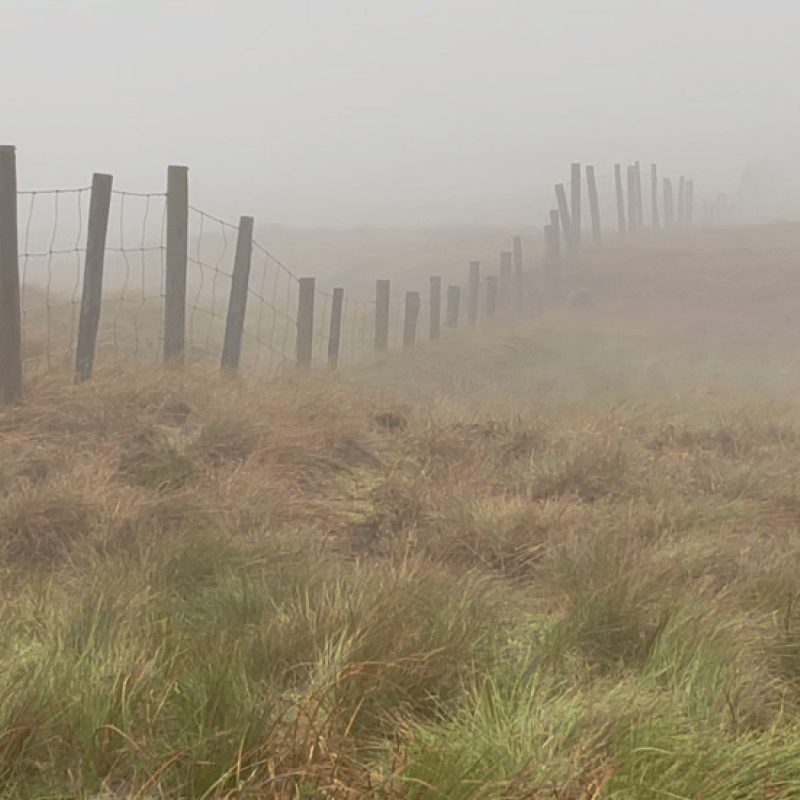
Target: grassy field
(559,559)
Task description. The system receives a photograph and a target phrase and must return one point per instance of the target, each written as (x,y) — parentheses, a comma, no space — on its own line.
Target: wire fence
(53,226)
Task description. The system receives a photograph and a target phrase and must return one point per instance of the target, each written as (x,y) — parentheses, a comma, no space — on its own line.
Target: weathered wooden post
(237,302)
(654,197)
(436,308)
(10,308)
(566,226)
(92,296)
(473,292)
(639,198)
(411,317)
(681,201)
(335,335)
(575,218)
(305,322)
(620,199)
(176,263)
(594,207)
(669,204)
(689,210)
(453,306)
(491,295)
(519,278)
(382,298)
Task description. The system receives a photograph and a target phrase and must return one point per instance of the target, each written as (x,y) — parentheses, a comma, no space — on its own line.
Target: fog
(345,113)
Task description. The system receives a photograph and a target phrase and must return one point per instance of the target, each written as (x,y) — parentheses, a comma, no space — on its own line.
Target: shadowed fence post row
(92,297)
(10,309)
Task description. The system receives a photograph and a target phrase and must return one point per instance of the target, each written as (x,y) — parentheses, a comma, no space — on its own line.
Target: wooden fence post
(382,298)
(411,317)
(491,295)
(305,322)
(620,199)
(563,211)
(689,209)
(453,306)
(436,308)
(473,293)
(575,219)
(681,201)
(669,204)
(91,299)
(654,197)
(237,302)
(337,306)
(639,198)
(10,308)
(594,206)
(632,215)
(176,262)
(519,279)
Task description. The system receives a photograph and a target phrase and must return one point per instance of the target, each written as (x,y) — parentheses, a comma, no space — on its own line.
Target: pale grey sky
(406,112)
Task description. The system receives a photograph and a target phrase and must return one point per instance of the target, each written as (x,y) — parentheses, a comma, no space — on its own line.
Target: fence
(99,271)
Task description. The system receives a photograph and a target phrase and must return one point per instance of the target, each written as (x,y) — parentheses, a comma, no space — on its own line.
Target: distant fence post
(575,219)
(639,198)
(473,292)
(594,206)
(305,322)
(519,279)
(681,201)
(669,204)
(91,299)
(491,295)
(563,212)
(237,302)
(382,298)
(654,196)
(620,199)
(453,306)
(435,308)
(689,210)
(10,308)
(335,335)
(177,244)
(411,317)
(505,281)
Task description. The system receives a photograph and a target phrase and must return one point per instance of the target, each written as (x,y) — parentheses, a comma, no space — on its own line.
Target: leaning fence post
(411,317)
(669,204)
(91,299)
(453,306)
(382,298)
(654,196)
(620,199)
(566,223)
(10,310)
(473,292)
(237,302)
(176,262)
(519,279)
(305,322)
(594,206)
(575,218)
(335,335)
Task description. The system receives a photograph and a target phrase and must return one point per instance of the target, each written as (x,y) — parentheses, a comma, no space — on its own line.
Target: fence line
(175,282)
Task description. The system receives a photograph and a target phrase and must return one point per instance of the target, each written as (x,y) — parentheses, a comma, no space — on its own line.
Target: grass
(558,561)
